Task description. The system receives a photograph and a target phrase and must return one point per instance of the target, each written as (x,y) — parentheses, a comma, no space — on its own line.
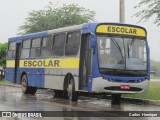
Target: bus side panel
(10,74)
(35,76)
(18,80)
(10,70)
(54,78)
(54,82)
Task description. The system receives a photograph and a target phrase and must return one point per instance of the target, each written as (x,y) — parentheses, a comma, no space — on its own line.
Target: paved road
(11,99)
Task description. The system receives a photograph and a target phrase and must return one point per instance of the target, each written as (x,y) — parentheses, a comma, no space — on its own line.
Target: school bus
(109,58)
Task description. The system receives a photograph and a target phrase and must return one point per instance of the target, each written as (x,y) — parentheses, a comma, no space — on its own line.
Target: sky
(14,12)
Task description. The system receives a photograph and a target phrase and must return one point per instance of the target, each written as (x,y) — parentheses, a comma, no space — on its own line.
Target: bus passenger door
(85,61)
(17,58)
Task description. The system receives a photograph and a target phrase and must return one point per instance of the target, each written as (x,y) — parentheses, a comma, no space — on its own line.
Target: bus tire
(72,95)
(24,86)
(116,98)
(32,90)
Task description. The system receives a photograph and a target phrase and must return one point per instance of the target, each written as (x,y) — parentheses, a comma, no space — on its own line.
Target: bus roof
(64,29)
(87,28)
(27,36)
(43,33)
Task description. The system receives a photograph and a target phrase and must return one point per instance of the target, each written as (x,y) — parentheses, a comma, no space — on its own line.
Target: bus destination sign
(123,30)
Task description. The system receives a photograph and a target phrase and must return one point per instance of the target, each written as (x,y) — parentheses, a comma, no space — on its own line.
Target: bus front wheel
(25,88)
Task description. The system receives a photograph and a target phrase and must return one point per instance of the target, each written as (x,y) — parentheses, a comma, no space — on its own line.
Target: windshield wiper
(133,40)
(117,46)
(130,44)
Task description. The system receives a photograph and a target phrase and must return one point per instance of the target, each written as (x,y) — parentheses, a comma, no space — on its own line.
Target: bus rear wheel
(25,88)
(72,95)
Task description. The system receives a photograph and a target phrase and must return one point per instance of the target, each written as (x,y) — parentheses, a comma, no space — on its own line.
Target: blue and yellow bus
(107,58)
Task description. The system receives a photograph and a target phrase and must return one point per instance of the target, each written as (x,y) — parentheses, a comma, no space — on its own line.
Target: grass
(152,94)
(155,77)
(4,82)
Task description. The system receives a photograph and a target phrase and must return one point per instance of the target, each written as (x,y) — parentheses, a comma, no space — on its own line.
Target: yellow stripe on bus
(51,63)
(47,63)
(124,30)
(10,63)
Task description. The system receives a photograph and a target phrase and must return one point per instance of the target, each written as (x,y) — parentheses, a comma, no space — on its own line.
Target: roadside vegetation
(152,94)
(53,17)
(4,82)
(155,77)
(3,51)
(147,9)
(155,66)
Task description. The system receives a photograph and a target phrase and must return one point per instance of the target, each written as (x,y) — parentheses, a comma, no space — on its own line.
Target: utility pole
(121,11)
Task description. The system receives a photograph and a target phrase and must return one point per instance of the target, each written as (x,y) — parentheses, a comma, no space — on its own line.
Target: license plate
(125,87)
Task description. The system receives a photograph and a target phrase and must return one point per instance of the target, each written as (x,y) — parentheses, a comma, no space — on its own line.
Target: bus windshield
(122,53)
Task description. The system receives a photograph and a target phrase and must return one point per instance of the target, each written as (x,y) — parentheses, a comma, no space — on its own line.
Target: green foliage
(5,82)
(152,8)
(155,65)
(55,17)
(3,51)
(155,77)
(154,88)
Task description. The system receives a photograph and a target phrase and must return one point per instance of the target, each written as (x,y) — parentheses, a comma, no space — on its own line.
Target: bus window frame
(78,43)
(39,47)
(59,46)
(42,47)
(26,48)
(12,50)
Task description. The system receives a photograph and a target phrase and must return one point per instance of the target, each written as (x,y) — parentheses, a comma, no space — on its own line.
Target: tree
(152,8)
(3,51)
(55,17)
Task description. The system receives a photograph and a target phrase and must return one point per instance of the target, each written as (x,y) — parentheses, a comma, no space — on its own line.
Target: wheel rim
(24,83)
(69,90)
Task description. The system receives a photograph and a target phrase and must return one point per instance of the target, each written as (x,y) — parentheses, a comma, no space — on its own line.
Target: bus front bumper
(100,85)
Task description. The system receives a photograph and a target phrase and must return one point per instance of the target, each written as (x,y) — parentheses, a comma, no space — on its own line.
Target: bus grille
(128,81)
(117,88)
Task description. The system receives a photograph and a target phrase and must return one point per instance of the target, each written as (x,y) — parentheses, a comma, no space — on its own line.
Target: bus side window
(72,45)
(11,50)
(46,46)
(58,44)
(25,48)
(35,49)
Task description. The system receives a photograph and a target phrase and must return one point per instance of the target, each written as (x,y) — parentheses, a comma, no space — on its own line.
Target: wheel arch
(66,80)
(74,79)
(69,85)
